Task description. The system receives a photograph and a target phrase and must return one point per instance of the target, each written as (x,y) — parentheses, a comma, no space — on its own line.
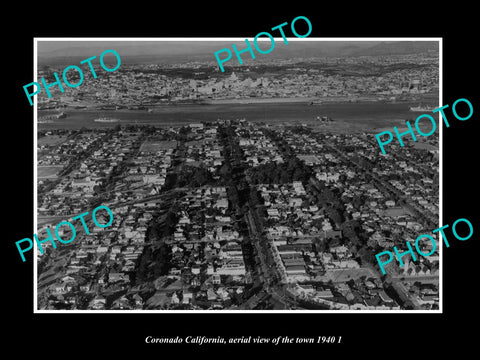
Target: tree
(334,215)
(320,245)
(371,243)
(95,201)
(366,256)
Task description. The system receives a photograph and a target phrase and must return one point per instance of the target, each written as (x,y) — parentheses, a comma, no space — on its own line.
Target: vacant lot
(422,145)
(343,275)
(51,140)
(154,146)
(48,172)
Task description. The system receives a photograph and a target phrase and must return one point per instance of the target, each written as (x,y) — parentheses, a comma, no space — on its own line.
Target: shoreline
(362,114)
(312,101)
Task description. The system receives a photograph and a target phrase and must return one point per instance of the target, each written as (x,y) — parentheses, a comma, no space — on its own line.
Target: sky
(176,47)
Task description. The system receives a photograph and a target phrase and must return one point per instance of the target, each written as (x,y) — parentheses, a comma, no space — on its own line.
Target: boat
(324,119)
(420,108)
(106,120)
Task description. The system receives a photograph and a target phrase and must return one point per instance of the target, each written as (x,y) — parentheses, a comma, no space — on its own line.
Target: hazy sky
(176,47)
(178,50)
(126,47)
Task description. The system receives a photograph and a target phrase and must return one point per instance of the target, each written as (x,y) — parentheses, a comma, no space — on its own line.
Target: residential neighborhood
(235,215)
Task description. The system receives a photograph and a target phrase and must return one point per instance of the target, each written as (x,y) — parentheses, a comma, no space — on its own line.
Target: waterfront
(361,115)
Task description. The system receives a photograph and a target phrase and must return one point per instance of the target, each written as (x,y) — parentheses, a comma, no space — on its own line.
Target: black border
(360,332)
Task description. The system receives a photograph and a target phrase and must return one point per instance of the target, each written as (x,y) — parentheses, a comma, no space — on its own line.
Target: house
(223,294)
(187,297)
(68,279)
(158,300)
(221,203)
(390,203)
(216,279)
(85,183)
(59,288)
(324,293)
(195,282)
(138,301)
(154,179)
(211,295)
(306,289)
(114,277)
(210,270)
(384,297)
(174,300)
(232,266)
(339,250)
(121,303)
(195,269)
(273,213)
(85,287)
(295,202)
(98,303)
(295,269)
(102,249)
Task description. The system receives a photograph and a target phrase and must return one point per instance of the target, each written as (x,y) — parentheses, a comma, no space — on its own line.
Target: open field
(48,172)
(51,140)
(154,146)
(422,145)
(343,275)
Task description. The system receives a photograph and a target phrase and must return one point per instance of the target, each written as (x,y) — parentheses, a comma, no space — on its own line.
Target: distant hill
(350,48)
(398,48)
(169,52)
(319,48)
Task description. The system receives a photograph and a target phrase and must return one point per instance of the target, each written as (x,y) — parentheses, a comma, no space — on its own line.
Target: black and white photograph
(259,188)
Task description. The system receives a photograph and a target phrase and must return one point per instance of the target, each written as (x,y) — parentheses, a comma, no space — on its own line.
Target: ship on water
(48,119)
(106,120)
(421,108)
